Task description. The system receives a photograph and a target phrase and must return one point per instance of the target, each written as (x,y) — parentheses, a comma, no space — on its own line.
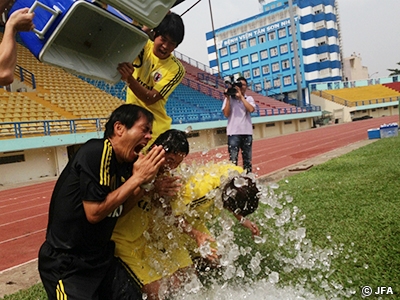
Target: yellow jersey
(162,75)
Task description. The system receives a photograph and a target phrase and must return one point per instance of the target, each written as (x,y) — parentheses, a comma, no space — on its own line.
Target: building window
(287,80)
(284,48)
(267,84)
(322,41)
(256,72)
(272,35)
(262,39)
(223,51)
(319,9)
(319,25)
(245,60)
(12,157)
(225,66)
(294,79)
(291,47)
(274,51)
(246,74)
(254,57)
(257,87)
(285,64)
(264,54)
(277,82)
(323,57)
(233,48)
(235,63)
(252,42)
(243,45)
(282,32)
(275,67)
(265,69)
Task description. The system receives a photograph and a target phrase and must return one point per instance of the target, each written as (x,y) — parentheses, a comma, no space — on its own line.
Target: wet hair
(172,27)
(173,141)
(241,200)
(126,114)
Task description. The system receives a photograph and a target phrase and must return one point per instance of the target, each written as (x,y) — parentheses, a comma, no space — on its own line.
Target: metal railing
(194,63)
(50,127)
(25,76)
(56,127)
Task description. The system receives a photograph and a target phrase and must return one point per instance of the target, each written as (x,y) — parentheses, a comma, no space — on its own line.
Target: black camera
(231,91)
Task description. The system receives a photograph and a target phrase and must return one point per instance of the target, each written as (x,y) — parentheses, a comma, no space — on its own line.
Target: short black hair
(171,26)
(127,114)
(241,199)
(173,141)
(242,78)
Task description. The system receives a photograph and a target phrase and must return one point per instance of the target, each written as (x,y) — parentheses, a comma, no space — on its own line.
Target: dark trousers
(70,276)
(243,143)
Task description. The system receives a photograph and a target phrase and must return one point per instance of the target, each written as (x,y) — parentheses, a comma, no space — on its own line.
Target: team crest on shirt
(157,76)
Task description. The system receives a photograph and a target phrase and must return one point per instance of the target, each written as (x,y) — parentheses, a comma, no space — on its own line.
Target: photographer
(237,107)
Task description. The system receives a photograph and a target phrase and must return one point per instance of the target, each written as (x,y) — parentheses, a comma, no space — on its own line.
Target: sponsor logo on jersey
(157,76)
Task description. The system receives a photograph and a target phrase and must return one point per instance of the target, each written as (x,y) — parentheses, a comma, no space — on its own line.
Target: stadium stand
(363,95)
(52,96)
(393,85)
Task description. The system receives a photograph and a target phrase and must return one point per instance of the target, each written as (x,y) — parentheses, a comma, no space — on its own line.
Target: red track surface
(23,211)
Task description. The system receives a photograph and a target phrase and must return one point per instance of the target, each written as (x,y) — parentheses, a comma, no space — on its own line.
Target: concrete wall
(38,163)
(335,108)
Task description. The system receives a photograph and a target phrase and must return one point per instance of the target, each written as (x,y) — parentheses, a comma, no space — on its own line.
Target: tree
(394,71)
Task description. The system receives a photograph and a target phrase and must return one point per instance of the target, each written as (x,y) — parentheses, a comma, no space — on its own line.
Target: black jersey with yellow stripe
(90,175)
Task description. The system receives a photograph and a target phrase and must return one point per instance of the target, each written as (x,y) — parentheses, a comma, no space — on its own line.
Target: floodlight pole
(215,40)
(296,53)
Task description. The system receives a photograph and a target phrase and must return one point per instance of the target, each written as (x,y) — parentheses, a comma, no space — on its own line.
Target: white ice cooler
(146,12)
(81,37)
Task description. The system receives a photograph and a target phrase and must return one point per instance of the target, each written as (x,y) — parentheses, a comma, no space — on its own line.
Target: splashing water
(281,263)
(188,129)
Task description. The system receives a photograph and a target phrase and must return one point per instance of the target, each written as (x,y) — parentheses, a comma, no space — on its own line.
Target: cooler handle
(55,11)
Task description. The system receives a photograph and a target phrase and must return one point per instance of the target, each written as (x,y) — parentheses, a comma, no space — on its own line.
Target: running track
(23,210)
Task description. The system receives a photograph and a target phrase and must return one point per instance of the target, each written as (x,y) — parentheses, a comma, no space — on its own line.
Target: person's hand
(239,94)
(252,227)
(202,238)
(146,167)
(126,70)
(167,186)
(21,20)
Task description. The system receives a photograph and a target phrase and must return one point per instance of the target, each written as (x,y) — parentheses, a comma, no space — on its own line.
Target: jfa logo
(157,77)
(380,290)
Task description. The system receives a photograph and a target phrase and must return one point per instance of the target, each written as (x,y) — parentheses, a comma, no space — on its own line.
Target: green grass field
(349,208)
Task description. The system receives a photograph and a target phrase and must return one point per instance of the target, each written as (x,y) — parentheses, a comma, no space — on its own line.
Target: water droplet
(273,277)
(239,182)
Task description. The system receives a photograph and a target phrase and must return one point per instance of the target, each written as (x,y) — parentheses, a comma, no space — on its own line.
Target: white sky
(369,28)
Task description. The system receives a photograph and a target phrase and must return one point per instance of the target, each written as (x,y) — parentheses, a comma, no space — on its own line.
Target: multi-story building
(353,68)
(260,47)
